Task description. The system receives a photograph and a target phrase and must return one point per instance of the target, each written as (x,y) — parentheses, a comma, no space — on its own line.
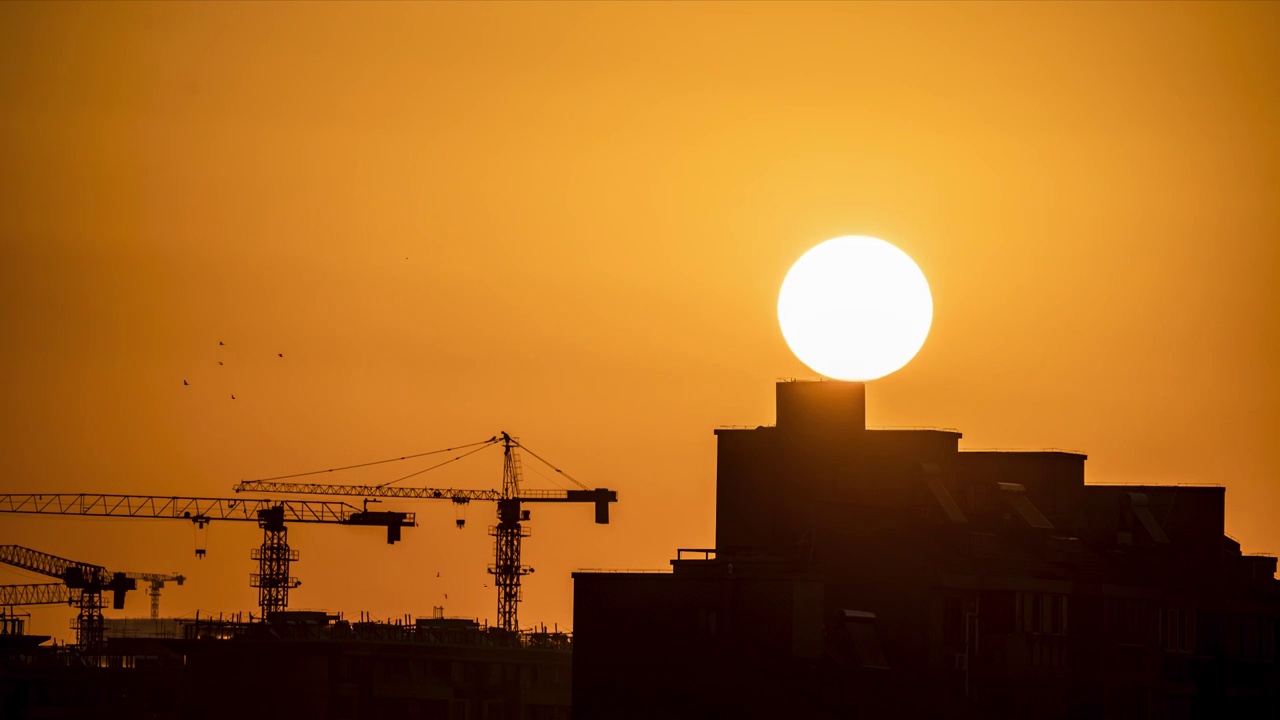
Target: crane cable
(553,467)
(483,445)
(378,462)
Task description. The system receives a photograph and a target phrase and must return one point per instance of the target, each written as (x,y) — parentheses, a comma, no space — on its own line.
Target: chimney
(824,407)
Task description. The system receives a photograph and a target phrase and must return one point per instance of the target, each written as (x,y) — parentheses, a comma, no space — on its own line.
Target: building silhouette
(297,664)
(886,573)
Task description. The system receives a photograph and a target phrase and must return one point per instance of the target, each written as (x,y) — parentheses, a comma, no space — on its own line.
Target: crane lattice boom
(157,577)
(35,594)
(195,509)
(74,574)
(414,493)
(598,495)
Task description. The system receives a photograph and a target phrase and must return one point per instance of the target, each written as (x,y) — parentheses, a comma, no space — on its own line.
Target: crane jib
(196,509)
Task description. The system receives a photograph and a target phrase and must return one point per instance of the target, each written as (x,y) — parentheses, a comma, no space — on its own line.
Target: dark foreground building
(300,665)
(884,573)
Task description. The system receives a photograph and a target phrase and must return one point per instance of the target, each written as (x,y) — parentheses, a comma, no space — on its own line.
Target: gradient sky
(571,222)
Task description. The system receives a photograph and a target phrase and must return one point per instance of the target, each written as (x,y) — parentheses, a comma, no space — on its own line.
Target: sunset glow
(855,308)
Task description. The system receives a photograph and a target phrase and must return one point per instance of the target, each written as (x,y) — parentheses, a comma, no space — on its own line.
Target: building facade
(888,573)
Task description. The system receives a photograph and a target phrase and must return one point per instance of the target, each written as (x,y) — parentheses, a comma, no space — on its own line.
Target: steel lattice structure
(43,563)
(274,556)
(507,569)
(35,594)
(412,493)
(155,583)
(195,509)
(89,579)
(54,566)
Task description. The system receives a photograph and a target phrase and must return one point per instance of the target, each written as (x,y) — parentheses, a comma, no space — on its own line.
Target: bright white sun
(855,308)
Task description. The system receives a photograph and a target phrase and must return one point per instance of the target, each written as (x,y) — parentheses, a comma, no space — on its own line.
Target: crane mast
(274,558)
(506,568)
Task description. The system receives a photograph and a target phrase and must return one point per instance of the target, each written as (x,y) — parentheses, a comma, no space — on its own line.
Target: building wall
(998,582)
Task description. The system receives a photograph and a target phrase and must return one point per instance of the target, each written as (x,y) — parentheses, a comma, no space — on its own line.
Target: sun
(855,308)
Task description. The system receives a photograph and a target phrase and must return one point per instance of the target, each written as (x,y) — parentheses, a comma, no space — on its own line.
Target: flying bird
(219,362)
(279,354)
(221,343)
(184,382)
(233,396)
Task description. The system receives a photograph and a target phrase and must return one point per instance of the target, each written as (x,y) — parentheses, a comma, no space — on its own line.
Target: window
(1177,629)
(1049,651)
(861,629)
(1132,622)
(1041,613)
(1132,702)
(1257,636)
(706,622)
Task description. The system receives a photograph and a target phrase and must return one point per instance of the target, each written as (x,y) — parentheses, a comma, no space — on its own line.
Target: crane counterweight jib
(390,520)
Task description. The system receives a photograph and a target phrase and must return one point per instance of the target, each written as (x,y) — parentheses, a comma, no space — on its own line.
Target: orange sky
(571,222)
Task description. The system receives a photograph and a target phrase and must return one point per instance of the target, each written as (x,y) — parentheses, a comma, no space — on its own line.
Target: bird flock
(187,383)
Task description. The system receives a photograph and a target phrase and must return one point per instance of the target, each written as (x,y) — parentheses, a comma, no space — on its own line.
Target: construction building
(296,664)
(887,573)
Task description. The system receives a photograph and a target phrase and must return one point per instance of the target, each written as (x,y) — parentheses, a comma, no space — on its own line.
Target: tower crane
(508,533)
(155,583)
(59,593)
(15,596)
(274,556)
(91,580)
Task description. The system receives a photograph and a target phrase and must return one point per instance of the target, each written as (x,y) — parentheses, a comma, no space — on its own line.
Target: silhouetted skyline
(571,221)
